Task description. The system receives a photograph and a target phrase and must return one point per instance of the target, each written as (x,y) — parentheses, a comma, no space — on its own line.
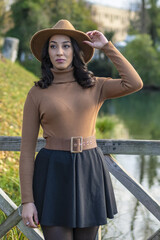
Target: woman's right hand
(29,214)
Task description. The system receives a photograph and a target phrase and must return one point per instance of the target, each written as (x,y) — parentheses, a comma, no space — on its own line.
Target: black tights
(66,233)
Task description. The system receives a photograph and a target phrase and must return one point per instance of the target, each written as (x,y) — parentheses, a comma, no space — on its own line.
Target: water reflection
(133,221)
(140,113)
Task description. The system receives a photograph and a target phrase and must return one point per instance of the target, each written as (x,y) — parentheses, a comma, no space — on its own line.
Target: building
(113,19)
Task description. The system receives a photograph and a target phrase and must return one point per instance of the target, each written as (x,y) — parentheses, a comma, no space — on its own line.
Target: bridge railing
(135,147)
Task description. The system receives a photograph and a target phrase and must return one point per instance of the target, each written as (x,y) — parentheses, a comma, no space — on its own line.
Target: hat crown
(63,24)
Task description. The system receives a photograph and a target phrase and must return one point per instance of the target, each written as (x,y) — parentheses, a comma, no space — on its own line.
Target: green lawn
(15,82)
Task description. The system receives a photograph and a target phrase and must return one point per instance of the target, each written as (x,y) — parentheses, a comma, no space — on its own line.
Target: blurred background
(134,28)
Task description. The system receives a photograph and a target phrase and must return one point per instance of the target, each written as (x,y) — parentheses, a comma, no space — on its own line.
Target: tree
(109,35)
(144,57)
(30,16)
(5,21)
(149,20)
(154,25)
(143,17)
(75,11)
(2,11)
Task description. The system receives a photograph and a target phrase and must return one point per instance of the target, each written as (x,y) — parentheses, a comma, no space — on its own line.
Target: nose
(59,51)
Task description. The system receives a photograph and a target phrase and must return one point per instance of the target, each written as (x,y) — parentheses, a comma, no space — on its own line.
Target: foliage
(143,56)
(154,14)
(140,53)
(30,16)
(104,127)
(32,65)
(109,35)
(148,21)
(75,11)
(15,82)
(5,18)
(101,67)
(2,13)
(14,233)
(109,126)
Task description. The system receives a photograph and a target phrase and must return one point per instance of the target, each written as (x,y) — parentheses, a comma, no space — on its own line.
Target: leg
(88,233)
(57,233)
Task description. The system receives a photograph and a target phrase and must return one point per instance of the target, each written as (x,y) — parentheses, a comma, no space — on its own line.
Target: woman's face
(60,52)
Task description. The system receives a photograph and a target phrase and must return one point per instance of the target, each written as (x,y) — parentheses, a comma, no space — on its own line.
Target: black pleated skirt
(73,189)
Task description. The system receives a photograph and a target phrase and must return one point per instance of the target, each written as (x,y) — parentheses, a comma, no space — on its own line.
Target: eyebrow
(62,42)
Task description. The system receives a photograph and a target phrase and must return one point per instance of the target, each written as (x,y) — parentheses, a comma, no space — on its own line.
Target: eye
(66,46)
(52,46)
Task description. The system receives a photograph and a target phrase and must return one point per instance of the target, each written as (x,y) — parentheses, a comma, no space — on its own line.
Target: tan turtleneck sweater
(65,109)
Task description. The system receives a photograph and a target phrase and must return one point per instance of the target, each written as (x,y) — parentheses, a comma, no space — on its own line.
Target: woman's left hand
(98,40)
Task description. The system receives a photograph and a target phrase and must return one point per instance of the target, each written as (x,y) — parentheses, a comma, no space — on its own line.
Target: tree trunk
(143,17)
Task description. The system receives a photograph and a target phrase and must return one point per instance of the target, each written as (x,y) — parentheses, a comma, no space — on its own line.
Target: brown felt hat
(63,27)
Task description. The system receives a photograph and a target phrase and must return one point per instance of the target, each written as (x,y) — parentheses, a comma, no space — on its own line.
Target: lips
(60,60)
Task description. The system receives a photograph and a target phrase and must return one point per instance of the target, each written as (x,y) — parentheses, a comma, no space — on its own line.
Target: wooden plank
(8,207)
(133,186)
(99,233)
(30,233)
(98,236)
(11,221)
(8,143)
(6,204)
(108,146)
(155,236)
(134,147)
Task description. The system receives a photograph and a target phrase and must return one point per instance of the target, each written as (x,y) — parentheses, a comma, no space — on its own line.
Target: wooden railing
(136,147)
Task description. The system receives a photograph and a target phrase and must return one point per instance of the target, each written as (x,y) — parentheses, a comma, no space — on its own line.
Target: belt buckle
(72,140)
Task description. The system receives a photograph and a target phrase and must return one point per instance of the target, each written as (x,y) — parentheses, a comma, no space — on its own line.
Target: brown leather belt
(73,144)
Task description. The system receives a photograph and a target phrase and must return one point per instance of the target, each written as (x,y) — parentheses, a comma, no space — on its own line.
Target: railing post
(98,236)
(11,210)
(133,186)
(155,236)
(13,219)
(108,146)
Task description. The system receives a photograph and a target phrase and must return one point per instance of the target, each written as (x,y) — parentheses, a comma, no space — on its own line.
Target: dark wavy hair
(84,77)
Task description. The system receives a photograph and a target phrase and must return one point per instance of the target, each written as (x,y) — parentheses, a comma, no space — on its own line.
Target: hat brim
(39,39)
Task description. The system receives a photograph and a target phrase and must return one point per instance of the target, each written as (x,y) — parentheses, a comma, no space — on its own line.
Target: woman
(68,187)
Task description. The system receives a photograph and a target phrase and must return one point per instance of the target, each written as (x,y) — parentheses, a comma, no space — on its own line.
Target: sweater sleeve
(129,82)
(30,130)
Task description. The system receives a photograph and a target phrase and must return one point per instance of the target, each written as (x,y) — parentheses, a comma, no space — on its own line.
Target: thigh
(57,233)
(88,233)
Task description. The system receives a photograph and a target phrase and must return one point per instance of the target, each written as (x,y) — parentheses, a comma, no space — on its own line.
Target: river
(140,113)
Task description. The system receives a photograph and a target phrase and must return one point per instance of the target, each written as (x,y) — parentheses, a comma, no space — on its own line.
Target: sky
(126,4)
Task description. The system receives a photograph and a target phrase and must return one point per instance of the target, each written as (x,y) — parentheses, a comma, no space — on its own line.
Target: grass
(15,82)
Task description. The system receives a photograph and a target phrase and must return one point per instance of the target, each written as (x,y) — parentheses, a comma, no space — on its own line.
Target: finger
(25,220)
(94,32)
(91,34)
(35,215)
(32,224)
(88,33)
(89,43)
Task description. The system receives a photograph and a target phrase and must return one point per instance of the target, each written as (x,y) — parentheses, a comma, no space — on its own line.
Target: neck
(63,76)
